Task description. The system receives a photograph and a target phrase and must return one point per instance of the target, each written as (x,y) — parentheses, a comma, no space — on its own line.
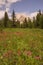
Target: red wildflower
(18,33)
(37,57)
(5,45)
(29,53)
(19,52)
(8,54)
(5,55)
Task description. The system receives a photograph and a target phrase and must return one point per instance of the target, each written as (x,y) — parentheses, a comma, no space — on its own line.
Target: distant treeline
(37,22)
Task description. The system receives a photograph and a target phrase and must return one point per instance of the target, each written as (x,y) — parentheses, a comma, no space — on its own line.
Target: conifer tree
(5,19)
(13,18)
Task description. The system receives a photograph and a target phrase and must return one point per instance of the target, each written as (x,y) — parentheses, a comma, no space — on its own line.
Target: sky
(20,6)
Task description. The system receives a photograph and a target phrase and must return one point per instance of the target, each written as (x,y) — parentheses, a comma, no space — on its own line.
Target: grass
(21,46)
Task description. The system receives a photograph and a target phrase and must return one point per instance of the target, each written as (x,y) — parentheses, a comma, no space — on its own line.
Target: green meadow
(21,46)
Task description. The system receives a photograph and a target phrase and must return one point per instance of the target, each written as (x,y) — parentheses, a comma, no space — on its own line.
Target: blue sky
(28,6)
(21,6)
(25,5)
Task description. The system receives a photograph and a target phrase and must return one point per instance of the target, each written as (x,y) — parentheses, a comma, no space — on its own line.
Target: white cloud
(7,9)
(21,15)
(9,14)
(0,6)
(2,2)
(8,1)
(33,14)
(11,1)
(1,14)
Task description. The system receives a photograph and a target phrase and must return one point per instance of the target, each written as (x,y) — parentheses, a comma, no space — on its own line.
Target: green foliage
(21,47)
(41,21)
(25,23)
(1,26)
(1,29)
(34,23)
(38,19)
(22,25)
(9,24)
(5,19)
(13,19)
(17,24)
(29,23)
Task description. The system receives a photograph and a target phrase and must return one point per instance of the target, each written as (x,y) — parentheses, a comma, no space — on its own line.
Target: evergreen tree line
(13,23)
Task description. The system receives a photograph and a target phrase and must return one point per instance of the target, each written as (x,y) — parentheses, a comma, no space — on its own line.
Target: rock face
(21,17)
